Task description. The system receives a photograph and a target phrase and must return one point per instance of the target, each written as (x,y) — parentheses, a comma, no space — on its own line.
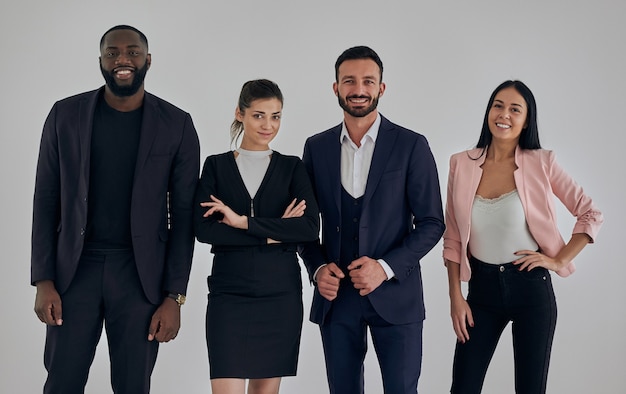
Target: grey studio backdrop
(442,60)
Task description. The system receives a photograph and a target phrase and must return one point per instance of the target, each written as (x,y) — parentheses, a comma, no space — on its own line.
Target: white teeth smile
(503,126)
(123,72)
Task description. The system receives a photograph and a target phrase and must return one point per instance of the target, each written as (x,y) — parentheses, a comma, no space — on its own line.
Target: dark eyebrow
(128,46)
(262,112)
(366,77)
(502,102)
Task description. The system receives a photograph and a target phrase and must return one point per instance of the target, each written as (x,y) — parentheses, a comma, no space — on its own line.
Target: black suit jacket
(165,178)
(401,217)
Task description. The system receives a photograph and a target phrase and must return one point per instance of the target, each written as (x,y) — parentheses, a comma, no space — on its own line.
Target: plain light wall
(442,60)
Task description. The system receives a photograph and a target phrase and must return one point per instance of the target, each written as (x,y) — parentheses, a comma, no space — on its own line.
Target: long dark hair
(529,138)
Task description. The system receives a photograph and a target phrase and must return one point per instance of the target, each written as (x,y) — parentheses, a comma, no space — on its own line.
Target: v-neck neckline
(264,181)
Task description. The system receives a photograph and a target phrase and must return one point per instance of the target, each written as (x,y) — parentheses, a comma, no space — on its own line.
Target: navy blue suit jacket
(165,179)
(401,218)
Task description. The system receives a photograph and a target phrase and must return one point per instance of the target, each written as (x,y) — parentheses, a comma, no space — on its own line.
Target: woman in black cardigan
(254,206)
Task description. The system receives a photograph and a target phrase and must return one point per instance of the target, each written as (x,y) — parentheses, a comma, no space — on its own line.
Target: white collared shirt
(356,160)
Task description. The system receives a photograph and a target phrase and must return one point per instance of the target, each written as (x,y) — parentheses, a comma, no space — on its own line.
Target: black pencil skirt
(254,313)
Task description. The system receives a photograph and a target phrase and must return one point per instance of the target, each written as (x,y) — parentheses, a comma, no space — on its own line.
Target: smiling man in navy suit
(377,187)
(112,238)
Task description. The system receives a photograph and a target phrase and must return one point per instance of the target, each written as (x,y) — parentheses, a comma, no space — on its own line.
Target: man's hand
(366,274)
(48,303)
(165,322)
(327,279)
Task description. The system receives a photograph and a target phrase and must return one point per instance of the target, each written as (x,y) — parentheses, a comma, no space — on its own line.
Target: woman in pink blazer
(501,236)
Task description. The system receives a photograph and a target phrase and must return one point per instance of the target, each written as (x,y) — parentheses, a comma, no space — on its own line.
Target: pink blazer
(537,179)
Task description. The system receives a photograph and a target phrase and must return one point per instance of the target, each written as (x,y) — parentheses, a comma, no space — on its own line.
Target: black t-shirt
(114,145)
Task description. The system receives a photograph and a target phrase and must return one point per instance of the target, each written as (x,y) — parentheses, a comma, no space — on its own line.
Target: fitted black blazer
(284,180)
(165,179)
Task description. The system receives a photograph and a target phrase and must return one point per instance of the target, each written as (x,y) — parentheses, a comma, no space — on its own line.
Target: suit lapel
(333,165)
(382,152)
(519,176)
(86,111)
(149,129)
(475,175)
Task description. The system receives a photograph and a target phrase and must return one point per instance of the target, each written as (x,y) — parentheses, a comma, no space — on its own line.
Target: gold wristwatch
(179,298)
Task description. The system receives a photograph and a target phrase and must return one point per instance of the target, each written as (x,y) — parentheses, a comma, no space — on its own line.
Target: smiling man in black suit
(112,237)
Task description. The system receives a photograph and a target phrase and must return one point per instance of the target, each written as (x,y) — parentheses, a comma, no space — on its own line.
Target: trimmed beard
(125,91)
(361,112)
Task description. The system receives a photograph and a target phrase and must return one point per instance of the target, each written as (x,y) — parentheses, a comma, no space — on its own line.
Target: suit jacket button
(82,231)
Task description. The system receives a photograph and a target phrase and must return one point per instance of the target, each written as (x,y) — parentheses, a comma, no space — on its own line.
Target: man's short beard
(361,112)
(125,91)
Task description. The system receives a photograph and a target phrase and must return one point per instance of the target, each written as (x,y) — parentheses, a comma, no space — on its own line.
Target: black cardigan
(284,180)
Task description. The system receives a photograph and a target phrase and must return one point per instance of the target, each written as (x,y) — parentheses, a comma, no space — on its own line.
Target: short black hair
(142,36)
(358,52)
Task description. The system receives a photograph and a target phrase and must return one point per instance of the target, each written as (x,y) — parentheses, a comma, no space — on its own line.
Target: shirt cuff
(388,271)
(316,271)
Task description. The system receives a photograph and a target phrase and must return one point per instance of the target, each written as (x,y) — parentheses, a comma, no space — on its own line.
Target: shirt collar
(372,132)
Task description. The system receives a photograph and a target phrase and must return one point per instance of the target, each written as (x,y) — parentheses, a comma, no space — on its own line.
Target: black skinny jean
(497,295)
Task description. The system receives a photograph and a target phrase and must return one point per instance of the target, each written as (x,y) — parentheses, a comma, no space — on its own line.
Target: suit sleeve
(424,199)
(46,204)
(588,218)
(183,181)
(209,230)
(312,253)
(301,229)
(451,236)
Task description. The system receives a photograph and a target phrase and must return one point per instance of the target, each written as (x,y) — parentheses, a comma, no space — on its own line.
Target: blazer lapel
(149,125)
(382,151)
(474,178)
(86,112)
(520,184)
(333,166)
(477,174)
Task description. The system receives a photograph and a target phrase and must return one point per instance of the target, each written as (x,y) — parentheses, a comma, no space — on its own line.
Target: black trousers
(106,289)
(499,294)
